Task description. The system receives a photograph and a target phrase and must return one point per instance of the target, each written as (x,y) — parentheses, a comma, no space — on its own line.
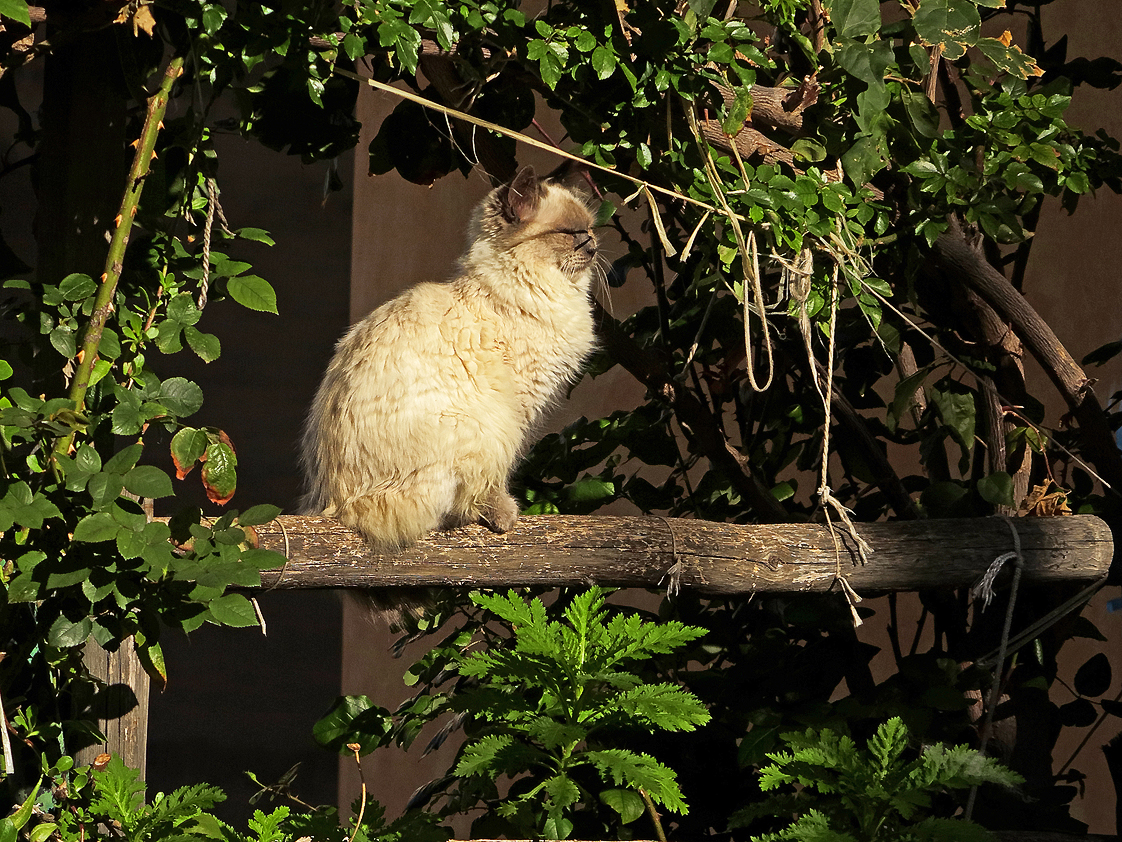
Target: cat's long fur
(428,401)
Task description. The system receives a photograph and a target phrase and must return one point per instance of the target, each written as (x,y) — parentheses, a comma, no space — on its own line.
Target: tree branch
(965,265)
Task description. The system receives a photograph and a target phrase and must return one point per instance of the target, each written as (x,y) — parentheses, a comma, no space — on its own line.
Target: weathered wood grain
(121,707)
(715,558)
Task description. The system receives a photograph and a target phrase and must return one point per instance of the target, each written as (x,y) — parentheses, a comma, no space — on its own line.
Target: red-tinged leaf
(216,436)
(220,472)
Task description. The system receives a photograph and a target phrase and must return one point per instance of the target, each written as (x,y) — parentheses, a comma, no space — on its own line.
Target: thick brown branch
(748,142)
(778,108)
(966,266)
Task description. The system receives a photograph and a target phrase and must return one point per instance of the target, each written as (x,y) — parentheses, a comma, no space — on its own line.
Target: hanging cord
(212,208)
(825,495)
(984,590)
(749,262)
(673,575)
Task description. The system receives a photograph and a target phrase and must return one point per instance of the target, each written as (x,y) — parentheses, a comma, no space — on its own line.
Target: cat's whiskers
(602,291)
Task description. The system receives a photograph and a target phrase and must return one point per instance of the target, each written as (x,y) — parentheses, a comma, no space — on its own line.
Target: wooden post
(121,707)
(713,558)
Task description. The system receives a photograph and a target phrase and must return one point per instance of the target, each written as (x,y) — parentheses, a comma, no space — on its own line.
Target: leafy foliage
(562,685)
(546,704)
(108,801)
(845,793)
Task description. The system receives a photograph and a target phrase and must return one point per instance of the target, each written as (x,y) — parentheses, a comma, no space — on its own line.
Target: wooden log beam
(714,558)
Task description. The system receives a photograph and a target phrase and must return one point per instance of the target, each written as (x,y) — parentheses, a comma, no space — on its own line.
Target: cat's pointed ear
(520,199)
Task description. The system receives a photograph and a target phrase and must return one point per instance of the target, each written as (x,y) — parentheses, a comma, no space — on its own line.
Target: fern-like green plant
(116,804)
(546,704)
(849,794)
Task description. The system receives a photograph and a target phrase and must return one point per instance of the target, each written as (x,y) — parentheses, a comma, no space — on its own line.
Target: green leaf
(663,706)
(809,149)
(956,408)
(257,515)
(867,62)
(77,287)
(253,292)
(1009,58)
(855,18)
(258,235)
(232,610)
(1077,182)
(148,481)
(603,62)
(182,309)
(63,340)
(738,111)
(16,10)
(589,489)
(921,113)
(187,446)
(205,345)
(626,802)
(130,544)
(104,488)
(479,757)
(889,742)
(263,559)
(556,826)
(951,24)
(181,397)
(621,766)
(997,488)
(66,634)
(213,17)
(19,817)
(125,459)
(151,657)
(97,527)
(604,213)
(354,719)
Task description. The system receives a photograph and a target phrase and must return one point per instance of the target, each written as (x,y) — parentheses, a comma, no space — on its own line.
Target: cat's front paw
(500,513)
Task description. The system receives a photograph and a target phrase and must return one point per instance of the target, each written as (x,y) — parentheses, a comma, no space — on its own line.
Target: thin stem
(652,811)
(362,803)
(894,629)
(114,259)
(460,115)
(1002,650)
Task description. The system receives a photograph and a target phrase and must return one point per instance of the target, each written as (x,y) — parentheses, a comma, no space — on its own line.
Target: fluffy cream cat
(428,401)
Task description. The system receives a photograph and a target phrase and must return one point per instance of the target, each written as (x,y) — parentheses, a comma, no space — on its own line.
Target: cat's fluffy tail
(390,523)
